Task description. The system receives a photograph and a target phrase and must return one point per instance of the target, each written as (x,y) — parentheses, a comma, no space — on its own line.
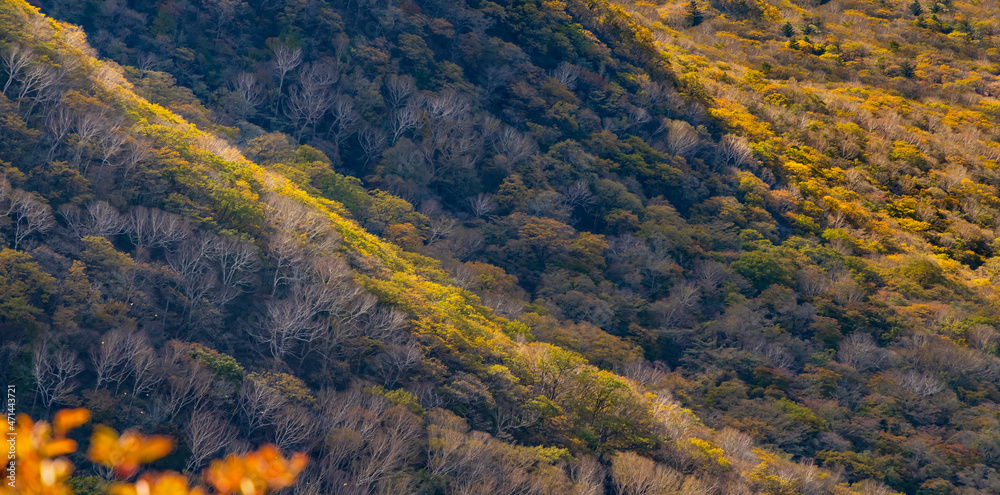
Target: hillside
(463,247)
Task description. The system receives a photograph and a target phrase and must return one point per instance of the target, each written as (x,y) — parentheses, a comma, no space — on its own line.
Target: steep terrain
(582,210)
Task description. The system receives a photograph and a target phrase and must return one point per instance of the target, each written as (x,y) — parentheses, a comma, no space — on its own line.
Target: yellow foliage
(738,119)
(711,451)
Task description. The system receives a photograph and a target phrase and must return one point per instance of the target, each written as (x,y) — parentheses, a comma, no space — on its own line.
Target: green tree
(788,30)
(222,365)
(694,14)
(615,416)
(760,268)
(916,9)
(23,286)
(923,272)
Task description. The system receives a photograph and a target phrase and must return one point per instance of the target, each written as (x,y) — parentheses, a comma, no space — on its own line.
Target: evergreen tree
(916,8)
(906,69)
(788,30)
(694,14)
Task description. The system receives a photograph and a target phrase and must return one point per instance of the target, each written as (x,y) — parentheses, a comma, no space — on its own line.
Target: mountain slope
(197,218)
(792,225)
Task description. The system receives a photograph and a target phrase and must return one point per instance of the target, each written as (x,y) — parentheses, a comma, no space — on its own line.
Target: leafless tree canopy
(29,214)
(735,151)
(152,227)
(285,60)
(206,434)
(637,475)
(55,372)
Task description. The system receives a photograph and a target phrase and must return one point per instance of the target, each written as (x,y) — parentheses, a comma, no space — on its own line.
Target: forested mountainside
(512,247)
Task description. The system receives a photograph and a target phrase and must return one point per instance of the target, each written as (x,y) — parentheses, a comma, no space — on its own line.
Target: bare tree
(860,351)
(447,453)
(112,143)
(734,150)
(197,278)
(299,233)
(372,141)
(398,89)
(286,324)
(293,426)
(59,122)
(493,78)
(344,118)
(15,58)
(287,256)
(103,220)
(614,125)
(578,195)
(30,215)
(206,433)
(187,384)
(637,475)
(249,94)
(441,228)
(87,125)
(303,316)
(448,105)
(637,117)
(136,151)
(384,324)
(145,368)
(307,104)
(393,364)
(403,119)
(285,60)
(237,261)
(111,356)
(259,403)
(335,291)
(567,74)
(309,101)
(55,372)
(682,139)
(476,462)
(148,228)
(588,476)
(514,147)
(146,61)
(710,274)
(482,204)
(37,81)
(846,290)
(922,384)
(983,337)
(387,448)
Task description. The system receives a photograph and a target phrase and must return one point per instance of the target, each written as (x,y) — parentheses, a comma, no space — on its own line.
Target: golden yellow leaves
(43,469)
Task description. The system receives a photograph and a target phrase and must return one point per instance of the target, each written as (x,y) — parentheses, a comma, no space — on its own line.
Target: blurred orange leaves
(42,469)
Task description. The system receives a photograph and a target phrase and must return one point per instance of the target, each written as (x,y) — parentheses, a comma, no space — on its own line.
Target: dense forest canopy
(516,247)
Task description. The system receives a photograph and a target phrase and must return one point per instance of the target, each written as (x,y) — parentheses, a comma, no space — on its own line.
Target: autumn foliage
(43,468)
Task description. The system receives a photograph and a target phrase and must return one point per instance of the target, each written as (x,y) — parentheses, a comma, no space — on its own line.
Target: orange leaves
(256,472)
(126,453)
(42,468)
(67,419)
(39,470)
(158,484)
